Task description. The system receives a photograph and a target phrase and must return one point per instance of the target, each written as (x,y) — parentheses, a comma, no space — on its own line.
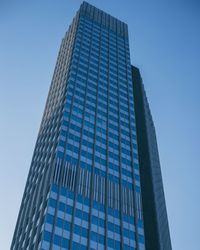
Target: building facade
(153,200)
(84,188)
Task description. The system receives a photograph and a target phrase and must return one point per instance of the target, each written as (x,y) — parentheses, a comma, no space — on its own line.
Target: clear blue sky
(165,45)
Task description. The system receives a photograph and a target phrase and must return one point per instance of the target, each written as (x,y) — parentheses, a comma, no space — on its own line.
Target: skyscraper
(84,188)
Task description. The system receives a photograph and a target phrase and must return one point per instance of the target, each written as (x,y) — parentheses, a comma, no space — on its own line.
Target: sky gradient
(164,41)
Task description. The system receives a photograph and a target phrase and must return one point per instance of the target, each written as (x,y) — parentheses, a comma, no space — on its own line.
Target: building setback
(153,200)
(85,187)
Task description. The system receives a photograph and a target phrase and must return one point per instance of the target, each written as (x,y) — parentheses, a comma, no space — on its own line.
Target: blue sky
(165,44)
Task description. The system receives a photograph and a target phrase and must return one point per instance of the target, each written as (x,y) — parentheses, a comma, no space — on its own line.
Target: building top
(107,21)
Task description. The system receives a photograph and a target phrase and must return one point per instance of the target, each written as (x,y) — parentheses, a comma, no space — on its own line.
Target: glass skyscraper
(84,189)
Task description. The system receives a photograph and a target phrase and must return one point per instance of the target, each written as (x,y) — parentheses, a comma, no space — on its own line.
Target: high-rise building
(84,188)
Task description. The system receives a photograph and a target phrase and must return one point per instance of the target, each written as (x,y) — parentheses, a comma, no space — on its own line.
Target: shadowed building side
(156,227)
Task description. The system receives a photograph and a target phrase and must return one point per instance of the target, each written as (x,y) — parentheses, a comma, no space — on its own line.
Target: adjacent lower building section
(153,200)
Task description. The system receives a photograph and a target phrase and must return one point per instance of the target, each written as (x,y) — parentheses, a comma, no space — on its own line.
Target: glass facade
(83,189)
(156,226)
